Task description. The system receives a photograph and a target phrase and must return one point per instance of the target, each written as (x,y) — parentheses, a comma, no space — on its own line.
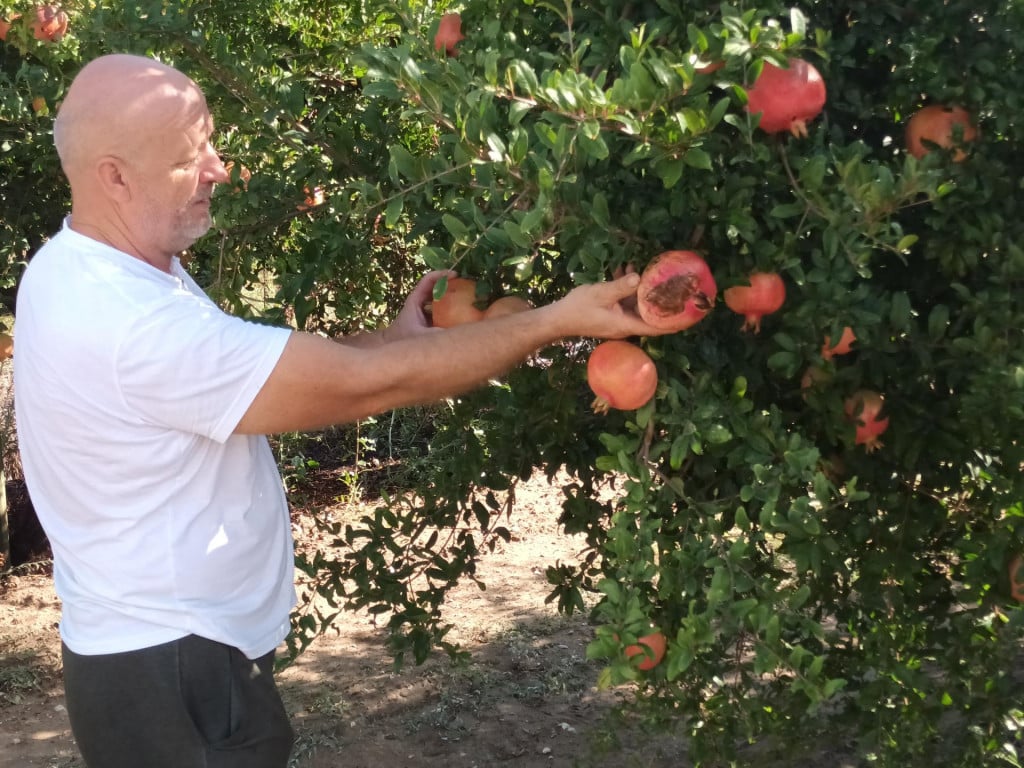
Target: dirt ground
(526,699)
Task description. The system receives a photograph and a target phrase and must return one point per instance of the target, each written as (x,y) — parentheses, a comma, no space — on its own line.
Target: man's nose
(215,171)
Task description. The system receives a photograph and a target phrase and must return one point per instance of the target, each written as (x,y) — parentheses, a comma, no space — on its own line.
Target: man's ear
(113,178)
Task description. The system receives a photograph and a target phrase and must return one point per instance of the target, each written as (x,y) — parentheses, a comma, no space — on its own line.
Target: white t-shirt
(129,383)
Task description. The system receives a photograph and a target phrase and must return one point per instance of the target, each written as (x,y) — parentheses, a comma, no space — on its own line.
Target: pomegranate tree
(787,98)
(676,290)
(764,295)
(621,375)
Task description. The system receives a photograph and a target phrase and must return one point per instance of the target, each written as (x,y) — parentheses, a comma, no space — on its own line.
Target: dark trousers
(191,703)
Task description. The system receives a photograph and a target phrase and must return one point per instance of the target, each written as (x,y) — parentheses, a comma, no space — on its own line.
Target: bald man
(143,411)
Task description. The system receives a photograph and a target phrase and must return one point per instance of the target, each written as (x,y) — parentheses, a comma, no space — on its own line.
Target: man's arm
(318,382)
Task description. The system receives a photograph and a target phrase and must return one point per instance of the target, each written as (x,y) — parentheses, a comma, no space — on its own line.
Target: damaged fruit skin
(676,291)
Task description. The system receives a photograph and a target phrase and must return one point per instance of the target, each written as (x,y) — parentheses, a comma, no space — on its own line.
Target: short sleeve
(188,366)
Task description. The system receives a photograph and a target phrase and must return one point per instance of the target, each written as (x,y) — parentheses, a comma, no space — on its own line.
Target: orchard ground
(527,697)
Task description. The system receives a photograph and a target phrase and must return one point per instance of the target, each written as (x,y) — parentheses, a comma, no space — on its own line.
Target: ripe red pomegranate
(764,295)
(863,408)
(651,647)
(507,305)
(622,376)
(449,33)
(937,124)
(841,347)
(457,305)
(50,23)
(787,98)
(676,290)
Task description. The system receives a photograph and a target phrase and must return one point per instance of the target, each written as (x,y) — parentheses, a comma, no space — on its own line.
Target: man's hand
(603,310)
(412,320)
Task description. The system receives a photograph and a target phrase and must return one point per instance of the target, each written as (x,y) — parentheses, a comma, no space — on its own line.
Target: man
(142,411)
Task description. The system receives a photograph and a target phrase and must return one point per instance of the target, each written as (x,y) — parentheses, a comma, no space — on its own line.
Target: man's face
(176,173)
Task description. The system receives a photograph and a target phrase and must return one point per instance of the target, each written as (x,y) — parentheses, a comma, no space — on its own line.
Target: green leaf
(787,210)
(455,226)
(938,321)
(517,111)
(696,157)
(900,311)
(798,22)
(669,170)
(393,211)
(905,243)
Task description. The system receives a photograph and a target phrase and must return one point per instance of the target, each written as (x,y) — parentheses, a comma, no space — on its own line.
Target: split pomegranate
(449,33)
(863,408)
(842,347)
(1017,578)
(50,23)
(764,295)
(622,376)
(787,98)
(651,647)
(457,305)
(676,290)
(937,124)
(507,305)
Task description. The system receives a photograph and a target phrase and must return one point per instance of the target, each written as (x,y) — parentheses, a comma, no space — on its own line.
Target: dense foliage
(802,581)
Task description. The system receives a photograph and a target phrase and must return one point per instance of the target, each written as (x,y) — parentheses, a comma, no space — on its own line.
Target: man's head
(133,137)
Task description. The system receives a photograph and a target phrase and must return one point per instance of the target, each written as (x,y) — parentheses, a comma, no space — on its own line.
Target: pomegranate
(507,305)
(787,98)
(1016,570)
(5,25)
(676,290)
(50,23)
(706,66)
(457,305)
(622,376)
(764,295)
(937,124)
(814,378)
(314,197)
(245,176)
(863,408)
(449,33)
(841,347)
(651,647)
